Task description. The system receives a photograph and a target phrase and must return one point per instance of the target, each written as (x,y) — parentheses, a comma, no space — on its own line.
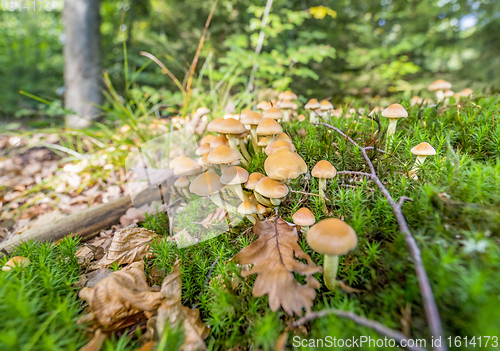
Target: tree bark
(82,61)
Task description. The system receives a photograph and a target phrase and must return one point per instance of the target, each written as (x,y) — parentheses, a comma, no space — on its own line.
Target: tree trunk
(82,61)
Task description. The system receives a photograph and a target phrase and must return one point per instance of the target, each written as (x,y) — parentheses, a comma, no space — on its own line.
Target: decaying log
(85,224)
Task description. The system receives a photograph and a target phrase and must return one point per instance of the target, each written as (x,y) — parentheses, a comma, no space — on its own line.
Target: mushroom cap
(466,92)
(244,113)
(234,175)
(284,164)
(416,100)
(262,141)
(214,125)
(423,149)
(16,261)
(332,236)
(251,118)
(273,113)
(247,208)
(448,93)
(287,95)
(207,139)
(269,126)
(181,182)
(395,111)
(261,209)
(301,118)
(271,188)
(253,179)
(203,160)
(303,217)
(288,105)
(202,111)
(219,140)
(323,169)
(230,126)
(205,184)
(203,149)
(283,136)
(177,160)
(312,104)
(275,145)
(264,105)
(187,167)
(439,84)
(325,105)
(223,154)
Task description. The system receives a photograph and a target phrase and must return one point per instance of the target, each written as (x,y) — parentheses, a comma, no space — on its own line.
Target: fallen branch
(429,303)
(400,338)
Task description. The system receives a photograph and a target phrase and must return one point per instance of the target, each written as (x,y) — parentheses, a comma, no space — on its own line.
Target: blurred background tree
(316,48)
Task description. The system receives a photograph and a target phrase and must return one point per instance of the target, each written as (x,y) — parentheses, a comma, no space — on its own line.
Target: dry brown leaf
(96,342)
(121,299)
(171,311)
(273,258)
(128,245)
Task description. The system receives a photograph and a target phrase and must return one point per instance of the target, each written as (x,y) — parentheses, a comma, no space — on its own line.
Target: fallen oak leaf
(128,245)
(273,258)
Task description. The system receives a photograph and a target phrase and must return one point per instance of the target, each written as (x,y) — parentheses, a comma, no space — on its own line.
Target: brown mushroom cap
(234,175)
(264,105)
(271,188)
(325,105)
(251,118)
(423,149)
(439,84)
(332,236)
(283,136)
(275,145)
(323,169)
(273,113)
(207,139)
(205,184)
(220,140)
(247,208)
(301,118)
(181,182)
(203,149)
(231,126)
(223,155)
(187,167)
(466,92)
(312,104)
(288,105)
(214,125)
(416,100)
(304,217)
(202,111)
(395,111)
(284,164)
(261,209)
(448,93)
(287,95)
(253,179)
(16,261)
(269,126)
(262,141)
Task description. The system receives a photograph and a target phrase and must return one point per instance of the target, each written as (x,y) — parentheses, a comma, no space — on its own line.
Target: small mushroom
(422,150)
(248,209)
(223,156)
(393,112)
(304,218)
(233,177)
(208,184)
(261,211)
(311,106)
(273,113)
(275,145)
(326,108)
(323,170)
(231,127)
(439,86)
(287,95)
(269,128)
(187,168)
(284,165)
(253,179)
(183,184)
(331,237)
(252,119)
(15,262)
(219,140)
(203,149)
(283,136)
(287,107)
(264,106)
(273,189)
(262,143)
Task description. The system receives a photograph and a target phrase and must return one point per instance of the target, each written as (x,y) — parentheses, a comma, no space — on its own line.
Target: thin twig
(431,310)
(378,327)
(303,192)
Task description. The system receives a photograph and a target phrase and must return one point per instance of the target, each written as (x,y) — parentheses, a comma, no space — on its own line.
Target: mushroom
(269,128)
(14,262)
(277,144)
(252,119)
(208,184)
(241,140)
(262,143)
(264,106)
(253,179)
(304,218)
(422,150)
(287,95)
(203,149)
(248,209)
(283,136)
(393,112)
(214,125)
(219,140)
(177,160)
(439,86)
(323,170)
(261,211)
(331,237)
(301,118)
(284,165)
(207,139)
(447,94)
(234,176)
(416,100)
(230,127)
(272,189)
(273,113)
(183,184)
(188,168)
(223,156)
(287,106)
(326,107)
(312,105)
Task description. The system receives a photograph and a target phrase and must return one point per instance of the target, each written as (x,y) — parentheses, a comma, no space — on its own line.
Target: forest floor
(454,216)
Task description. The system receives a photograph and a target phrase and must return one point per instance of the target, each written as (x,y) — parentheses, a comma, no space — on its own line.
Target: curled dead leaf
(273,257)
(128,245)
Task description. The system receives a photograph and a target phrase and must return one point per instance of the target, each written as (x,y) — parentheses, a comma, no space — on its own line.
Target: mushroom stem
(251,219)
(312,117)
(187,194)
(261,217)
(232,144)
(304,229)
(391,130)
(255,139)
(330,267)
(223,167)
(275,202)
(225,206)
(440,95)
(286,115)
(243,147)
(262,199)
(239,191)
(322,189)
(416,166)
(270,139)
